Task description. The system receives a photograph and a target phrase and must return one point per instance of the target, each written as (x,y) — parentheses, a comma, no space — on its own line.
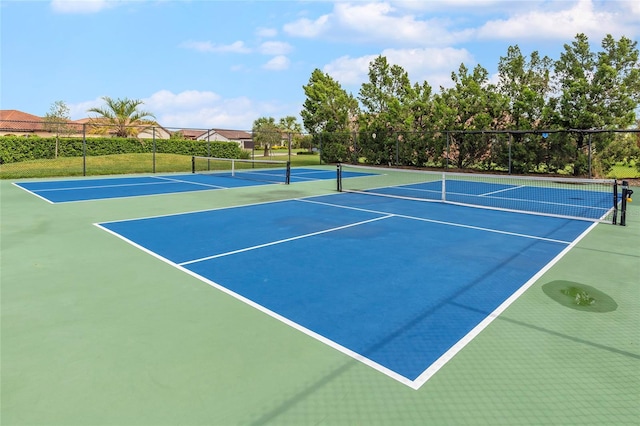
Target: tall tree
(266,133)
(421,144)
(472,104)
(527,85)
(57,121)
(526,82)
(289,124)
(122,117)
(387,99)
(328,107)
(329,114)
(596,90)
(291,128)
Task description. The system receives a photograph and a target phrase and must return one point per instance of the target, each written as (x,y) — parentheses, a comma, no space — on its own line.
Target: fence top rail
(544,131)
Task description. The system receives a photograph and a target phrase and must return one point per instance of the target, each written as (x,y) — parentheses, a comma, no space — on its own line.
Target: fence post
(589,156)
(84,149)
(354,157)
(510,143)
(154,149)
(446,164)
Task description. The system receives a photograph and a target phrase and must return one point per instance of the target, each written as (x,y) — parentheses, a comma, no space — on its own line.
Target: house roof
(14,114)
(191,133)
(233,134)
(14,120)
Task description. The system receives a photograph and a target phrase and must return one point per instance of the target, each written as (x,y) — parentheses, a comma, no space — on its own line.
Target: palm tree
(123,115)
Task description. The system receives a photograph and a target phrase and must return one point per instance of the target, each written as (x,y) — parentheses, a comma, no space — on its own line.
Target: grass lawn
(620,171)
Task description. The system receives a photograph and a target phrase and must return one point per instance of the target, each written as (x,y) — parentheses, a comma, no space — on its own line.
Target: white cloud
(449,5)
(207,46)
(422,64)
(80,6)
(266,32)
(349,71)
(438,23)
(275,48)
(165,100)
(634,8)
(199,110)
(307,28)
(195,109)
(235,114)
(580,17)
(79,110)
(277,63)
(377,22)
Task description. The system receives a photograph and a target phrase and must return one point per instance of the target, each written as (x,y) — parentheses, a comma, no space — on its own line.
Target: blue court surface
(63,191)
(399,285)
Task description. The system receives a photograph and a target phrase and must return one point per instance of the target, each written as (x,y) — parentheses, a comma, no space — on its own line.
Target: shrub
(15,149)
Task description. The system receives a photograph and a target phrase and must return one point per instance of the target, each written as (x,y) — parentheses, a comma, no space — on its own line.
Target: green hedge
(14,149)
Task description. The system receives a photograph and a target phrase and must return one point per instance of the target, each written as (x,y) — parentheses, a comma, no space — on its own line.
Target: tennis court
(321,307)
(64,191)
(423,294)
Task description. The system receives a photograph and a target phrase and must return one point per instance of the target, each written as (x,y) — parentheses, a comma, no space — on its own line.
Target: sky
(223,64)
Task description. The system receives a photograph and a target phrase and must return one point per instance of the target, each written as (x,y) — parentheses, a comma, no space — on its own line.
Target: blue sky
(223,64)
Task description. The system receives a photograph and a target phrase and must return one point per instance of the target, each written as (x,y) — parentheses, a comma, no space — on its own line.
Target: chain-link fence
(564,152)
(38,149)
(31,149)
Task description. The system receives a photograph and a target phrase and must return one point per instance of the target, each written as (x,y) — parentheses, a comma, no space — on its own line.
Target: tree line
(395,121)
(540,112)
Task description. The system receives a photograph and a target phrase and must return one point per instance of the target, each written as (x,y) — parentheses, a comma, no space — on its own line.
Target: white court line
(163,181)
(355,355)
(448,355)
(313,172)
(101,186)
(431,369)
(33,193)
(238,206)
(441,222)
(501,190)
(215,256)
(189,182)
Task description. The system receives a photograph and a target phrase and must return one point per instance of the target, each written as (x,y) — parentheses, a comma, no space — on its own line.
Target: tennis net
(275,171)
(586,199)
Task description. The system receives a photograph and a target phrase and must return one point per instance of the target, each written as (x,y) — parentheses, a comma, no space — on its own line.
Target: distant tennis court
(398,284)
(64,191)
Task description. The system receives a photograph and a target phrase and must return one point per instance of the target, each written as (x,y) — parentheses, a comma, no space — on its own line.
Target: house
(18,123)
(242,138)
(14,122)
(190,134)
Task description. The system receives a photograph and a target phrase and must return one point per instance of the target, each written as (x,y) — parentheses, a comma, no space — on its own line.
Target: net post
(233,167)
(339,177)
(444,187)
(193,164)
(626,194)
(615,202)
(287,178)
